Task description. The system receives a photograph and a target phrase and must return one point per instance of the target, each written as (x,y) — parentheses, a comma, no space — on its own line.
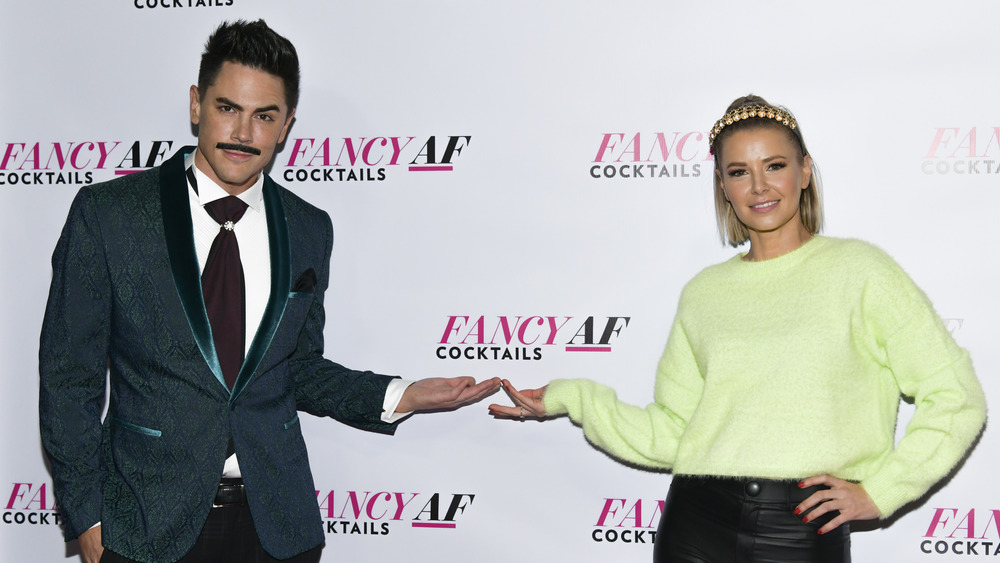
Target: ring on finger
(522,413)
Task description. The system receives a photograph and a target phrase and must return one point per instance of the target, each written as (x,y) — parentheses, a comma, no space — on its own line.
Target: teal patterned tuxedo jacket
(126,296)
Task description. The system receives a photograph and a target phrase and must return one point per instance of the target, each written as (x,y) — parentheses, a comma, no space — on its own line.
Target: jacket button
(753,488)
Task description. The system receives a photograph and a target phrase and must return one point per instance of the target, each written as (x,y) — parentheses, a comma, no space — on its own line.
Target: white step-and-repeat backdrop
(570,190)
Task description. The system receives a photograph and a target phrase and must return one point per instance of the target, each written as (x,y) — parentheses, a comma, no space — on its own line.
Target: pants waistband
(752,488)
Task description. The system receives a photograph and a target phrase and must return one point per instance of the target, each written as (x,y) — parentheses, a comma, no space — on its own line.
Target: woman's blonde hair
(731,229)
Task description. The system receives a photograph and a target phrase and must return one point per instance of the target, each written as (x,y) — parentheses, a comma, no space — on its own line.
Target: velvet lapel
(281,281)
(179,234)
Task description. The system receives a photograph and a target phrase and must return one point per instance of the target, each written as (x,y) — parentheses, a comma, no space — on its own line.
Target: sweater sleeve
(909,338)
(645,436)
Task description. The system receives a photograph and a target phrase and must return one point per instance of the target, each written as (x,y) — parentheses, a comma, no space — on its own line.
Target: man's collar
(208,191)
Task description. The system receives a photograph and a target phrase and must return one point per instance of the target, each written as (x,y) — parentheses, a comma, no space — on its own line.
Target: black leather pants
(714,520)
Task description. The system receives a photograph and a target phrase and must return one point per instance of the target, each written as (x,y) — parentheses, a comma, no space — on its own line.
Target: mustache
(241,148)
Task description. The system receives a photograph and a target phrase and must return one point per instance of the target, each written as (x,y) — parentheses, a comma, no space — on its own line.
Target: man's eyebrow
(222,100)
(227,102)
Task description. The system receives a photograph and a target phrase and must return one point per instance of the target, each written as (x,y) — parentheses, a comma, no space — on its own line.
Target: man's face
(241,118)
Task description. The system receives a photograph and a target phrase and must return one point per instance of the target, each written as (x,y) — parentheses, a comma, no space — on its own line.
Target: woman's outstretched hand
(527,403)
(849,498)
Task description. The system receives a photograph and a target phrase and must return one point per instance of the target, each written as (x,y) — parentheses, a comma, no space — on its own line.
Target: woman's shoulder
(856,254)
(714,274)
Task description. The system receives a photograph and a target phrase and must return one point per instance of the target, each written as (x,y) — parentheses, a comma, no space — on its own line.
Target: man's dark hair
(254,45)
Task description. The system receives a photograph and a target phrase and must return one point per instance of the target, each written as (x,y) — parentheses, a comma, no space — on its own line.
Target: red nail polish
(820,532)
(802,485)
(798,511)
(804,520)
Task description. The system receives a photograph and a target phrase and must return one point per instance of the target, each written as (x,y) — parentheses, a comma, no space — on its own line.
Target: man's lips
(238,148)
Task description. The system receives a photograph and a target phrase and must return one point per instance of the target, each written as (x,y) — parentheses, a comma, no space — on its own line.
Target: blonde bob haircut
(731,229)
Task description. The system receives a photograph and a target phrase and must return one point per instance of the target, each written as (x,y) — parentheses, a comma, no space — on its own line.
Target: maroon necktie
(223,287)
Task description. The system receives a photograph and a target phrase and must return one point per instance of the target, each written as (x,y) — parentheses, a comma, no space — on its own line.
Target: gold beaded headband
(747,112)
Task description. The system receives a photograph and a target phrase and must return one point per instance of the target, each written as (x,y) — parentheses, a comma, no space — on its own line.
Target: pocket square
(306,282)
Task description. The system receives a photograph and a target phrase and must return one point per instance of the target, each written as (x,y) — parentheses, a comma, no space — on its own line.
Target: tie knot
(226,211)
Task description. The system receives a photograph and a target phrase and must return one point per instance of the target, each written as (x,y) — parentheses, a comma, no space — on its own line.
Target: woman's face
(763,173)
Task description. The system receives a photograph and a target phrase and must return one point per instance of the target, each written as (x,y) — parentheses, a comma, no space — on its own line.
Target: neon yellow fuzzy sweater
(793,367)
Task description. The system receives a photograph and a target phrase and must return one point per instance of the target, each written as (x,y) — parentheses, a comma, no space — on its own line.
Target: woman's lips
(764,206)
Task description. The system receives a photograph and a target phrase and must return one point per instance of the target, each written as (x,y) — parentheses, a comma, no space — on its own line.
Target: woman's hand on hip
(849,498)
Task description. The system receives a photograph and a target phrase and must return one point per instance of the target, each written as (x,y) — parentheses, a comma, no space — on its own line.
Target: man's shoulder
(124,189)
(146,181)
(145,178)
(297,208)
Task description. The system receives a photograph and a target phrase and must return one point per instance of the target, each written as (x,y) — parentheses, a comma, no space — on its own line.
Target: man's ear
(285,127)
(195,105)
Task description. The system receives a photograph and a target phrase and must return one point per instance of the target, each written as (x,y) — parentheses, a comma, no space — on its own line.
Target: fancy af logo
(635,156)
(520,337)
(31,503)
(374,513)
(369,159)
(76,162)
(963,151)
(628,521)
(962,532)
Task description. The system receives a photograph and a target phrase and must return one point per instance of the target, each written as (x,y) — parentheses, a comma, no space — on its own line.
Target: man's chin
(238,182)
(237,173)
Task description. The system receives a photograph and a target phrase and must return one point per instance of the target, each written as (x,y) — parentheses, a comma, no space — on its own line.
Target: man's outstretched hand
(440,393)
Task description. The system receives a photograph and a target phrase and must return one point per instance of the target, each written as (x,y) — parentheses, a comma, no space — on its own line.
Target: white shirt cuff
(394,394)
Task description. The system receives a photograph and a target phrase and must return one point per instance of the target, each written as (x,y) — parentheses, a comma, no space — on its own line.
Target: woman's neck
(764,246)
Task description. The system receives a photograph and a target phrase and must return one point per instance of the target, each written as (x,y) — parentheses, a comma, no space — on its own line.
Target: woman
(776,397)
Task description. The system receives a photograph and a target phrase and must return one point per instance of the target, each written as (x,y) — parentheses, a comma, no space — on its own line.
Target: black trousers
(228,537)
(714,520)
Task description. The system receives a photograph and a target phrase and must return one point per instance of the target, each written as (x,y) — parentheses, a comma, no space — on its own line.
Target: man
(201,436)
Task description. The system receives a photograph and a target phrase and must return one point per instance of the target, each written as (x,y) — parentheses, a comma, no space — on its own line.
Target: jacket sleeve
(645,436)
(909,338)
(324,387)
(73,366)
